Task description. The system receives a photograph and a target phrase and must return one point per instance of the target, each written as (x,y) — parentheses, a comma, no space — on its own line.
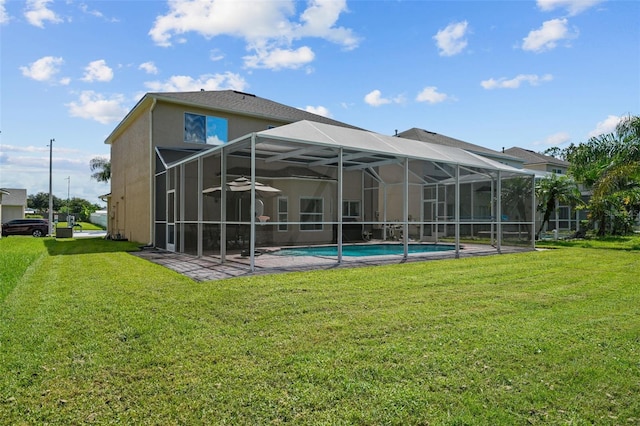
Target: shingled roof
(531,157)
(432,137)
(230,101)
(246,104)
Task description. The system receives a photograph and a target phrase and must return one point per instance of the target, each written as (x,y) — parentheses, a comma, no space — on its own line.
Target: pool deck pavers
(209,268)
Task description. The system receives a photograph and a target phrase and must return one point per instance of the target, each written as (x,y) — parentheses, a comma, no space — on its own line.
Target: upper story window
(205,129)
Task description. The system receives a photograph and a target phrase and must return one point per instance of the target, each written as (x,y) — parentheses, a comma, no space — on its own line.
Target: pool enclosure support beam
(499,213)
(533,212)
(493,212)
(252,238)
(405,210)
(339,207)
(181,203)
(457,211)
(223,205)
(200,227)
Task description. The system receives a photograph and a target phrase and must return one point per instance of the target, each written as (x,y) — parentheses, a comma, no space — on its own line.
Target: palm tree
(553,190)
(609,164)
(101,168)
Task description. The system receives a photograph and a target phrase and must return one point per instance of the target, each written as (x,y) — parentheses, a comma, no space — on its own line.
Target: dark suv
(35,227)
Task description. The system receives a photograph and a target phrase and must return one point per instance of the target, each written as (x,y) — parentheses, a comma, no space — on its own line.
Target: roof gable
(531,157)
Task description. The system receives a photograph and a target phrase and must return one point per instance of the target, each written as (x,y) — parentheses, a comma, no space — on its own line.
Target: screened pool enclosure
(330,185)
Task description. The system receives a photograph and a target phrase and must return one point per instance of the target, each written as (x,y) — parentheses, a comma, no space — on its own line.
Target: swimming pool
(363,250)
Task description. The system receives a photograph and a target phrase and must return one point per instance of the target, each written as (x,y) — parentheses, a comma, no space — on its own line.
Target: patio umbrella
(242,184)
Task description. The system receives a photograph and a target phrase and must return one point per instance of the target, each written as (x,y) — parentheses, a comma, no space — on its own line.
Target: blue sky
(533,74)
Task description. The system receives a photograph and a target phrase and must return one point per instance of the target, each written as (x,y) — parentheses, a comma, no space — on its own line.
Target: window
(204,129)
(311,210)
(283,213)
(351,209)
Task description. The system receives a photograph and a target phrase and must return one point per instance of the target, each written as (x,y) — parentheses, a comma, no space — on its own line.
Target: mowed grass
(91,334)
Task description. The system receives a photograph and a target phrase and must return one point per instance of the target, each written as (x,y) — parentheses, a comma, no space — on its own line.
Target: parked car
(35,227)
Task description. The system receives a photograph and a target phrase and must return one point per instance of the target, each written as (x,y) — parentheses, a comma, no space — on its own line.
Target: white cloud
(149,67)
(319,19)
(94,106)
(548,36)
(319,110)
(574,7)
(268,27)
(183,83)
(4,16)
(98,71)
(280,58)
(431,95)
(608,125)
(215,55)
(557,139)
(38,13)
(514,83)
(45,69)
(96,13)
(451,40)
(374,98)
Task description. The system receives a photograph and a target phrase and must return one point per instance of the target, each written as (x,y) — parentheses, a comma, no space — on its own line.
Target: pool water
(363,250)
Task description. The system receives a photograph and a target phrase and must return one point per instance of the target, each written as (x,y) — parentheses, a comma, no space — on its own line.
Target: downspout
(152,180)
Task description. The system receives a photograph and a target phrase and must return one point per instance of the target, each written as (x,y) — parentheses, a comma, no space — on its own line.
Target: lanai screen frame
(310,144)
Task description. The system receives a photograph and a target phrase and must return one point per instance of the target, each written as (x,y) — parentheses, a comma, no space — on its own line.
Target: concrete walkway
(209,268)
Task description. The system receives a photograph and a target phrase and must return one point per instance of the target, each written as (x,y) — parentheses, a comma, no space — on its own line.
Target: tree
(609,165)
(40,202)
(516,196)
(101,168)
(556,152)
(80,208)
(553,190)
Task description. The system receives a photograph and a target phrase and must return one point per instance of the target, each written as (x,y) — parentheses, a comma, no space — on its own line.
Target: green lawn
(91,334)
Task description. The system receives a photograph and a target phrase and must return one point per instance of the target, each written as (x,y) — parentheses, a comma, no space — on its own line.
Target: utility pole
(51,187)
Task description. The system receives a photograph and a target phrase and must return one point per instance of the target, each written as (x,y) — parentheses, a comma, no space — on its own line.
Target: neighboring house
(13,203)
(536,161)
(206,172)
(432,137)
(565,218)
(3,192)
